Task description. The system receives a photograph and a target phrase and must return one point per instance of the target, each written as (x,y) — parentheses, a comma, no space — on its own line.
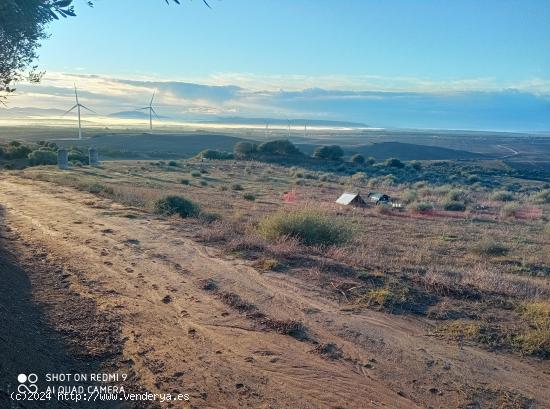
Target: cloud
(402,101)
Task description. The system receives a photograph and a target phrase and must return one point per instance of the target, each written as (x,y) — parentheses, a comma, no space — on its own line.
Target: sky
(466,64)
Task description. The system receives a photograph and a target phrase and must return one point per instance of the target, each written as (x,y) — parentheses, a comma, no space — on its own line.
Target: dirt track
(144,274)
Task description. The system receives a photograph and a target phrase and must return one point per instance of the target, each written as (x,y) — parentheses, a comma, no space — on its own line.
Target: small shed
(351,199)
(377,197)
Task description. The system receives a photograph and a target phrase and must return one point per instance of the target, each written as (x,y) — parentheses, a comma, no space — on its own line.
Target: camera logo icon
(27,383)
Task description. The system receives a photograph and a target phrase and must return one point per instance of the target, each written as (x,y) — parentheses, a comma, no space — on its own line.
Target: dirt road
(146,278)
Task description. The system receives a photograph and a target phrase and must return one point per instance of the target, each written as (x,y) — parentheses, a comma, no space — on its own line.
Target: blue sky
(434,49)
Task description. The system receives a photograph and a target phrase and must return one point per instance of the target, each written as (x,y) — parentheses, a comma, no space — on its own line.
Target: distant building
(351,199)
(377,198)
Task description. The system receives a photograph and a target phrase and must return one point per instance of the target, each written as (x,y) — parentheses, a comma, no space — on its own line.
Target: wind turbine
(288,128)
(151,111)
(78,106)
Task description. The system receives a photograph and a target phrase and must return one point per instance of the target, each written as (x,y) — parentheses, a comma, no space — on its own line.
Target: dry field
(414,307)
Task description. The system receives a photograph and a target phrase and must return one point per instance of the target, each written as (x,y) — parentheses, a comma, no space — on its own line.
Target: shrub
(215,154)
(249,196)
(170,205)
(509,210)
(547,231)
(370,161)
(394,163)
(332,152)
(184,181)
(416,165)
(204,183)
(196,174)
(454,205)
(543,196)
(17,151)
(422,207)
(489,247)
(455,195)
(358,159)
(537,340)
(410,196)
(244,149)
(278,147)
(42,157)
(236,186)
(502,196)
(173,163)
(308,226)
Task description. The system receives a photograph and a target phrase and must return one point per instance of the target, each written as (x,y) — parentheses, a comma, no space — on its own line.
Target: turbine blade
(151,103)
(139,109)
(85,107)
(75,93)
(155,112)
(66,112)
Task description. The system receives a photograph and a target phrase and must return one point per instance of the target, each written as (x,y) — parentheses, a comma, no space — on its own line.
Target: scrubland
(471,255)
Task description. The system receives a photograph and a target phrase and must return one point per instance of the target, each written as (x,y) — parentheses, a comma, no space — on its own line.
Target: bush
(215,154)
(196,174)
(245,149)
(454,205)
(489,247)
(42,157)
(332,152)
(17,151)
(416,165)
(358,159)
(370,161)
(173,163)
(249,196)
(509,210)
(543,196)
(455,195)
(184,181)
(410,196)
(394,163)
(422,207)
(502,196)
(536,341)
(236,186)
(170,205)
(308,226)
(278,147)
(204,183)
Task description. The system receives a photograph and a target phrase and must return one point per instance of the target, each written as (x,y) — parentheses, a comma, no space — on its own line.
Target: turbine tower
(151,112)
(78,105)
(288,128)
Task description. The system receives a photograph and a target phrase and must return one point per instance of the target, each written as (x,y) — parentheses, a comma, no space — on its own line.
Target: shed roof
(347,197)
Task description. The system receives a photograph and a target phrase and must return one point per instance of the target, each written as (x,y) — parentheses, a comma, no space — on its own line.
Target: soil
(126,290)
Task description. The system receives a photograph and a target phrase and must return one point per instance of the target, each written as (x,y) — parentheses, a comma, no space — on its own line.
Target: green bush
(310,227)
(42,157)
(170,205)
(184,181)
(422,207)
(278,147)
(502,196)
(489,247)
(249,196)
(509,210)
(173,163)
(454,205)
(455,195)
(543,196)
(236,186)
(17,151)
(244,149)
(204,183)
(416,165)
(196,174)
(332,152)
(410,196)
(394,163)
(358,159)
(215,154)
(370,161)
